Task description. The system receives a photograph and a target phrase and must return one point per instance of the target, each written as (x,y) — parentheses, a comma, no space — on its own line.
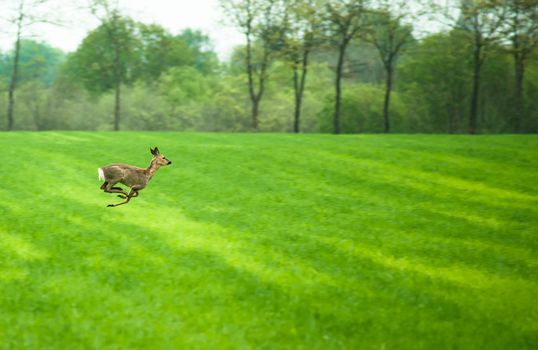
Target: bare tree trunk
(36,114)
(519,107)
(297,112)
(253,96)
(338,97)
(14,73)
(299,85)
(254,107)
(117,106)
(473,117)
(388,89)
(255,111)
(117,86)
(450,121)
(257,97)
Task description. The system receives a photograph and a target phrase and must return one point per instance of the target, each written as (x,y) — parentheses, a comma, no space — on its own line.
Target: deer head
(159,158)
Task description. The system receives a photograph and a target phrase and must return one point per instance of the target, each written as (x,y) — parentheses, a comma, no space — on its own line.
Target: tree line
(332,66)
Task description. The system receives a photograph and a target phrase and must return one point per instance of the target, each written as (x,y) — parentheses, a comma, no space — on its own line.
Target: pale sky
(204,15)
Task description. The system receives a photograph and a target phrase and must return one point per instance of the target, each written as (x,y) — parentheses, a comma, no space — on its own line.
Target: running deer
(131,176)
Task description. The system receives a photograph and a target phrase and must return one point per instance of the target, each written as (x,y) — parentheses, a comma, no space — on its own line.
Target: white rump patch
(101,174)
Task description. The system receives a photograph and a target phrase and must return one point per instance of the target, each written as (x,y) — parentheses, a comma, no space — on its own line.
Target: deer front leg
(132,193)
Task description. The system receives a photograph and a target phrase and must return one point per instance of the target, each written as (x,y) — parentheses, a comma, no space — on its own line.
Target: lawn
(270,241)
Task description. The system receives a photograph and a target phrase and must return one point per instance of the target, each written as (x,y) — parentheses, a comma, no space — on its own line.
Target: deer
(131,176)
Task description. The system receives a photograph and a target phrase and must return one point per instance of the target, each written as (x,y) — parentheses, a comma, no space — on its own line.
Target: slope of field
(270,241)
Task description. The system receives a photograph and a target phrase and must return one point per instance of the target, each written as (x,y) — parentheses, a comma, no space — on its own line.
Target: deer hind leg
(127,197)
(110,189)
(104,186)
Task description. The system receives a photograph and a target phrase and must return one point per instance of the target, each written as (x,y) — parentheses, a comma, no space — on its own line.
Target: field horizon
(260,240)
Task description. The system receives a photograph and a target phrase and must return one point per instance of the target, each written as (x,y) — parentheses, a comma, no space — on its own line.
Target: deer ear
(156,151)
(152,150)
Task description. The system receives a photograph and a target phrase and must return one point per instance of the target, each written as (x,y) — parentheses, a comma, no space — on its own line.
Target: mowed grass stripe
(270,241)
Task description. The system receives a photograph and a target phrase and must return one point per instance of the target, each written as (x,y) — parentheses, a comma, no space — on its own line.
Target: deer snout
(169,162)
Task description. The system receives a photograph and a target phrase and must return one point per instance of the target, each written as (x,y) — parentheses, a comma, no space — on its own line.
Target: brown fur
(131,176)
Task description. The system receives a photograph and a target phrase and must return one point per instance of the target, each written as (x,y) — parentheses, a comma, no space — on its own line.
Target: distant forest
(310,66)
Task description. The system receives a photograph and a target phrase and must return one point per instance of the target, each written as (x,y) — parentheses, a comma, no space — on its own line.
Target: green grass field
(262,241)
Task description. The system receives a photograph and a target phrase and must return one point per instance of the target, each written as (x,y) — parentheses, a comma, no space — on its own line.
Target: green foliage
(182,99)
(304,30)
(270,241)
(187,91)
(387,32)
(145,109)
(106,51)
(185,84)
(201,50)
(175,81)
(362,110)
(436,81)
(145,53)
(38,61)
(227,109)
(497,96)
(159,51)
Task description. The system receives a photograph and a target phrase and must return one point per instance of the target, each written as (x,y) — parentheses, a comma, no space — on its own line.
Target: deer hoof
(111,205)
(122,196)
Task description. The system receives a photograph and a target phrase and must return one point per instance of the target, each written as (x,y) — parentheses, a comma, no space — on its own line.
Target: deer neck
(152,169)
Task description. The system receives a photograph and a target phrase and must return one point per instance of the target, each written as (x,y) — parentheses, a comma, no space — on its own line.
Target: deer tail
(101,174)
